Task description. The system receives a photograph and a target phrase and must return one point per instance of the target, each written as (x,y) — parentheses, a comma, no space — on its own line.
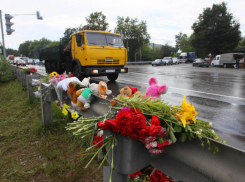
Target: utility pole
(4,51)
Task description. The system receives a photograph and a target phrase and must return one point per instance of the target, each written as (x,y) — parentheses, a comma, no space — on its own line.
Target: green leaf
(183,137)
(177,128)
(188,127)
(173,138)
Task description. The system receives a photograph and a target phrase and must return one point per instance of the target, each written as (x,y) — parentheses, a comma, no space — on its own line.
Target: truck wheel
(77,72)
(112,77)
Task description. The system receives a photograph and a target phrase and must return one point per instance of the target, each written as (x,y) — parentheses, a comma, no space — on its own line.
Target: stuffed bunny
(154,90)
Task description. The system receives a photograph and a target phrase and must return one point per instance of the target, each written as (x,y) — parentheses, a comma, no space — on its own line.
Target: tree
(178,38)
(241,43)
(68,33)
(97,21)
(24,48)
(36,45)
(216,31)
(12,52)
(134,34)
(184,43)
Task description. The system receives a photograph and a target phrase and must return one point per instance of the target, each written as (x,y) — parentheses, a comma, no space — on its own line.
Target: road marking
(193,91)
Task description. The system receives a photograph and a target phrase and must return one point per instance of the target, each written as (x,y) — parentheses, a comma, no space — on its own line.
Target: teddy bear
(72,88)
(124,93)
(84,98)
(100,89)
(154,90)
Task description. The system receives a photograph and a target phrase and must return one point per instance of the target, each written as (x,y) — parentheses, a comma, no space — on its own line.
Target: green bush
(6,73)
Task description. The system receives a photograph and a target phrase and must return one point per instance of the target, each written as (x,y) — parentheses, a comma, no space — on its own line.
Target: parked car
(157,62)
(28,61)
(20,62)
(42,63)
(200,63)
(35,61)
(168,60)
(175,60)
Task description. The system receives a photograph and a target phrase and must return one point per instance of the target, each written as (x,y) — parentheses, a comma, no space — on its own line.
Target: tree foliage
(216,31)
(31,48)
(183,42)
(24,48)
(68,33)
(10,51)
(134,34)
(97,21)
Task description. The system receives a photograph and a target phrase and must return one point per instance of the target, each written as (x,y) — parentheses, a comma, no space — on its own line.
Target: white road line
(192,91)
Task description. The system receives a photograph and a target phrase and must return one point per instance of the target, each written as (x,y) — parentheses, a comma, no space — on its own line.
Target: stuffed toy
(126,92)
(73,88)
(100,89)
(72,93)
(154,90)
(84,98)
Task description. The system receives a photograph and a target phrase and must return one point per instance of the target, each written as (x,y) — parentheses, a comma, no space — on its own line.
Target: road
(218,94)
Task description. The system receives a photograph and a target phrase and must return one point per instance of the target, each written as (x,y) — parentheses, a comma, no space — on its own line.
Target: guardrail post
(30,88)
(129,156)
(23,80)
(18,71)
(47,96)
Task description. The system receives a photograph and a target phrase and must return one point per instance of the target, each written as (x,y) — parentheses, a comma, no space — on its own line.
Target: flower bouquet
(54,78)
(29,70)
(155,124)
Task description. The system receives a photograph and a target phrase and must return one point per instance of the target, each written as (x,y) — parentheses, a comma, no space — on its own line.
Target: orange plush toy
(126,92)
(72,92)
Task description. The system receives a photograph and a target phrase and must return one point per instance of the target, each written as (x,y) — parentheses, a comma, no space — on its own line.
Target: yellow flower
(74,115)
(65,106)
(187,113)
(53,74)
(64,111)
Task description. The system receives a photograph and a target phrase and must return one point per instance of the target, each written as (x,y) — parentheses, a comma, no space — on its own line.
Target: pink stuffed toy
(154,90)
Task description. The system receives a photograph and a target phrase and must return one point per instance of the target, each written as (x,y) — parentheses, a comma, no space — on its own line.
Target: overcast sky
(165,18)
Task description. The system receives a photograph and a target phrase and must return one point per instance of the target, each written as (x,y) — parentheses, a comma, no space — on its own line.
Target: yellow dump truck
(88,54)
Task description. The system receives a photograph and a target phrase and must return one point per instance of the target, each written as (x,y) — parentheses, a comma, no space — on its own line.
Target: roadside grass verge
(30,153)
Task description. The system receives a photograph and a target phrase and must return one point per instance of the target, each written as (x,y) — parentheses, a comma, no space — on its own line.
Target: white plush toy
(100,89)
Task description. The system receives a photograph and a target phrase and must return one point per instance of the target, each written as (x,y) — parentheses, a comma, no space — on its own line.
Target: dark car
(20,63)
(35,61)
(41,63)
(200,63)
(28,61)
(168,60)
(157,62)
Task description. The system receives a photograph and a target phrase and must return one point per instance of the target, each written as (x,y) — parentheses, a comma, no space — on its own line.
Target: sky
(165,18)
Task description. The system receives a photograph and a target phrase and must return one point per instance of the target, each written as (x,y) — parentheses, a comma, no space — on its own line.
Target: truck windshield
(182,57)
(102,39)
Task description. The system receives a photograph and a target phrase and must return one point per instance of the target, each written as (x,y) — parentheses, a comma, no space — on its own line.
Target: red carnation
(154,130)
(155,120)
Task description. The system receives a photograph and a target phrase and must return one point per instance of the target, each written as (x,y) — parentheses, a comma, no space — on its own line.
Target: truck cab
(215,61)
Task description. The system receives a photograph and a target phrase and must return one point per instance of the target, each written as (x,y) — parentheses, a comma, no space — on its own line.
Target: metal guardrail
(187,162)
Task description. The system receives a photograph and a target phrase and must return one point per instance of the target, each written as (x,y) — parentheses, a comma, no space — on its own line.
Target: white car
(175,60)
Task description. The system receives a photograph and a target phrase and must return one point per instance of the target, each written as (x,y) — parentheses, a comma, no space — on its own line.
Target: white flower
(213,131)
(210,124)
(198,132)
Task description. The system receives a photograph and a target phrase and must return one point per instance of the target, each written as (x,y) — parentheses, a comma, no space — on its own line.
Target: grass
(29,153)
